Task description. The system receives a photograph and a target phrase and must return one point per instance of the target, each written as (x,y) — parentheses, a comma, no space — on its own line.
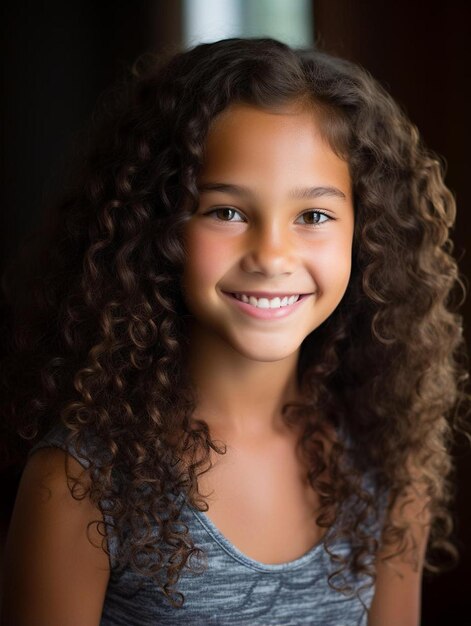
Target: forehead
(254,142)
(243,120)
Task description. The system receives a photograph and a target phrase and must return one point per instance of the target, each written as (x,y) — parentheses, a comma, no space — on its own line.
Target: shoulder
(397,598)
(44,486)
(53,551)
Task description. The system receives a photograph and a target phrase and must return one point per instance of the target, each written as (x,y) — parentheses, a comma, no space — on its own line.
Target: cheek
(331,266)
(206,256)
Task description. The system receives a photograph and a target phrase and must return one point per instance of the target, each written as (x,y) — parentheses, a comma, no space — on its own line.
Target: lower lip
(266,314)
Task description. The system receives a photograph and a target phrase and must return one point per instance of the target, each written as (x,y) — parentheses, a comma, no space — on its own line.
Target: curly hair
(96,334)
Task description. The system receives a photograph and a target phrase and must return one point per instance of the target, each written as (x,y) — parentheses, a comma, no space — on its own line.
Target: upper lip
(269,294)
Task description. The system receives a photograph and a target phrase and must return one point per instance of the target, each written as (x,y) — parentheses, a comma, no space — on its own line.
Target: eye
(224,210)
(224,214)
(315,222)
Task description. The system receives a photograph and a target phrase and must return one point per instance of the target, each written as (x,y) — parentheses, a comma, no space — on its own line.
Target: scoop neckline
(243,558)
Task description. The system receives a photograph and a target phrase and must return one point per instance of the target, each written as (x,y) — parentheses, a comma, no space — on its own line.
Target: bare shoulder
(397,598)
(50,560)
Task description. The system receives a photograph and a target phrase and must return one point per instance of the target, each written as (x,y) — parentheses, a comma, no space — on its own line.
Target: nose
(270,251)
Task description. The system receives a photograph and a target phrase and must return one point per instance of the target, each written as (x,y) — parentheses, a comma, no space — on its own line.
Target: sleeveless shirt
(234,588)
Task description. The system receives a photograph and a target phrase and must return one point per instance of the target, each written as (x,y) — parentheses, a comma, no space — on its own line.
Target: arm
(397,598)
(54,576)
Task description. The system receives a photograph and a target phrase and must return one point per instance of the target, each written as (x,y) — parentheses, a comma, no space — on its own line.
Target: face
(275,219)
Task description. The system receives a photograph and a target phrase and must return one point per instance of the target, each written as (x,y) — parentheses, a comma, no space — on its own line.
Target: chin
(265,352)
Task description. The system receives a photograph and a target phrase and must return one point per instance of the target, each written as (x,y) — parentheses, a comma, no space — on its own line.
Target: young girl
(237,357)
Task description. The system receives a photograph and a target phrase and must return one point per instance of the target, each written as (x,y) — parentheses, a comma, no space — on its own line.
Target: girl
(242,361)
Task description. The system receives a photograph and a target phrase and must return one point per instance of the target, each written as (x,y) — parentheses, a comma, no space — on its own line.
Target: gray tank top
(234,588)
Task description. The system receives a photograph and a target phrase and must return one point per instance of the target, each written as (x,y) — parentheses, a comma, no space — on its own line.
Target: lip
(266,314)
(269,294)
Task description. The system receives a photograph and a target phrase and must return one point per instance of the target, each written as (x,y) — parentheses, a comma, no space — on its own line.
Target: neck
(237,396)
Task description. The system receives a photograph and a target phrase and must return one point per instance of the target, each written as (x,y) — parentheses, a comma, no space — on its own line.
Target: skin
(265,244)
(55,575)
(397,598)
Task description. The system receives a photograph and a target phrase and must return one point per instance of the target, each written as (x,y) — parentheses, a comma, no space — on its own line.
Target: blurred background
(58,57)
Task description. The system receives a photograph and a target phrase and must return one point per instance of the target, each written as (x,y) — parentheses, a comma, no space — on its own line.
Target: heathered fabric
(234,589)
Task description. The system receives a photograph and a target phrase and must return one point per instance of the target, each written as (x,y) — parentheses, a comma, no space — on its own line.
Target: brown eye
(225,214)
(314,221)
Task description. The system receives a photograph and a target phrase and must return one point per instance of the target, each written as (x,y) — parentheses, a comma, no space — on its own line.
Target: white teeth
(265,303)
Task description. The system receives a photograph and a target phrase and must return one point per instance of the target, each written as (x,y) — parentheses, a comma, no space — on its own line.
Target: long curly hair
(95,333)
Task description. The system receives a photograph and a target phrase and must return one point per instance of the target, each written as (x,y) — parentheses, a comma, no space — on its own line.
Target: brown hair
(96,328)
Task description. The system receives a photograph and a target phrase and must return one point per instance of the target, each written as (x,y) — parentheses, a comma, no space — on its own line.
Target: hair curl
(96,335)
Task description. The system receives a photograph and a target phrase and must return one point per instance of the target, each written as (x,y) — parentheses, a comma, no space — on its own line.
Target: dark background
(59,56)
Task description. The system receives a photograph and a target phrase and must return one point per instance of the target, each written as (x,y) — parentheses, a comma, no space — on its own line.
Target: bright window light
(210,20)
(290,21)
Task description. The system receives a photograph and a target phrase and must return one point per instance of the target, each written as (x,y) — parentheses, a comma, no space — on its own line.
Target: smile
(267,303)
(265,308)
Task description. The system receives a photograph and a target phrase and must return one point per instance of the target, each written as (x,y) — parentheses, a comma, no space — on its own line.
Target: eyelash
(236,211)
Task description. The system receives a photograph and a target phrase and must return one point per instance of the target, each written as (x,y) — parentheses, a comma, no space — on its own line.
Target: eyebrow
(297,193)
